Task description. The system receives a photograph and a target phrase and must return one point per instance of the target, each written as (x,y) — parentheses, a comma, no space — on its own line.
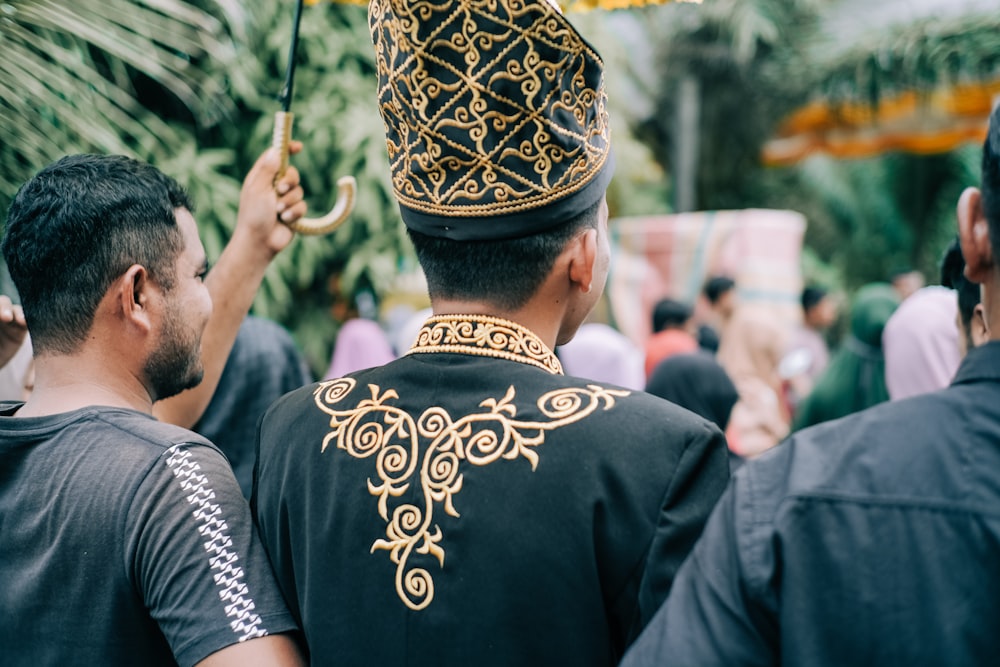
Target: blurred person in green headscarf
(855,378)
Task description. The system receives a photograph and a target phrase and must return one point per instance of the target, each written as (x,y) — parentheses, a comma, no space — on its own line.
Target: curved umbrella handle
(346,185)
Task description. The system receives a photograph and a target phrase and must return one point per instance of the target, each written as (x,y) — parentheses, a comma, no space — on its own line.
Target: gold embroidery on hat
(432,449)
(457,145)
(487,336)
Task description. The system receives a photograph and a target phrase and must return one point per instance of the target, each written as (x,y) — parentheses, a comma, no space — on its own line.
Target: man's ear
(132,294)
(979,328)
(583,249)
(974,236)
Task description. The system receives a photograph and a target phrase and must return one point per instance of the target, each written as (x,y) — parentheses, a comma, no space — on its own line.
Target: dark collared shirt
(871,540)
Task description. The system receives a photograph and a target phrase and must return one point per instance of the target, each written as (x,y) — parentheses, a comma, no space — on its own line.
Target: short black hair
(953,276)
(504,273)
(669,313)
(811,296)
(990,186)
(75,227)
(716,286)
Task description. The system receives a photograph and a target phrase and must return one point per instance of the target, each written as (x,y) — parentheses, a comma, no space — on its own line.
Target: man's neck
(67,383)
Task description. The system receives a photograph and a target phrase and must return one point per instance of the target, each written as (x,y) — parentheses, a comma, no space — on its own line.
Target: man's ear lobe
(974,236)
(980,328)
(582,259)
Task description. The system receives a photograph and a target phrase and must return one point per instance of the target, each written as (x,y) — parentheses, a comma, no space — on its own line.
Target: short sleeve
(194,558)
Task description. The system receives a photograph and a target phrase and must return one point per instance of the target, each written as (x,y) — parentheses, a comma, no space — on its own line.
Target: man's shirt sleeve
(195,559)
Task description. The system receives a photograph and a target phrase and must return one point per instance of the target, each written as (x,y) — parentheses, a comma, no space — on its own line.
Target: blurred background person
(906,282)
(264,365)
(361,343)
(601,352)
(16,368)
(750,352)
(673,332)
(972,329)
(921,343)
(808,352)
(719,303)
(697,382)
(855,378)
(819,313)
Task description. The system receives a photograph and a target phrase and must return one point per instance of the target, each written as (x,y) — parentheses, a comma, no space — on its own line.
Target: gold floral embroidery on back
(430,450)
(484,335)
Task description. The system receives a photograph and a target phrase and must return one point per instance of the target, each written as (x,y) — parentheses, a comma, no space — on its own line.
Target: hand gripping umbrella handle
(346,185)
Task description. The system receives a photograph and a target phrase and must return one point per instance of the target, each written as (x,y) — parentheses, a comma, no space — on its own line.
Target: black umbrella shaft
(286,91)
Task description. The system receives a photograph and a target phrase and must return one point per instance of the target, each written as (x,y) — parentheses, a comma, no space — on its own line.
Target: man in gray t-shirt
(124,540)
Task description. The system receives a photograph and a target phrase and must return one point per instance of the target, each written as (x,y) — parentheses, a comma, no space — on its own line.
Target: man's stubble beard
(176,364)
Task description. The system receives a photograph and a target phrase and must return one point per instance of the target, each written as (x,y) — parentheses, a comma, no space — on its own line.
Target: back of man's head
(670,314)
(953,276)
(811,296)
(716,287)
(493,176)
(75,227)
(503,273)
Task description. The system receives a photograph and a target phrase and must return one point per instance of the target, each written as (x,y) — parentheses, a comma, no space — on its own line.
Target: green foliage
(738,51)
(334,97)
(868,218)
(191,87)
(74,75)
(919,55)
(757,60)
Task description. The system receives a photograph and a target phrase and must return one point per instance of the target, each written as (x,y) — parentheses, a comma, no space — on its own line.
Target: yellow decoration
(923,123)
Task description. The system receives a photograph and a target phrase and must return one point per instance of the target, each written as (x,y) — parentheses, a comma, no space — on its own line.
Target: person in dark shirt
(469,503)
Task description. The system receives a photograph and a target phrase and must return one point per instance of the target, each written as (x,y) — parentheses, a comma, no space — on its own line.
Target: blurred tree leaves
(756,61)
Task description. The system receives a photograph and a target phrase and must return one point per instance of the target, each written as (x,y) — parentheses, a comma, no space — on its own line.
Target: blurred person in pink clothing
(361,344)
(921,343)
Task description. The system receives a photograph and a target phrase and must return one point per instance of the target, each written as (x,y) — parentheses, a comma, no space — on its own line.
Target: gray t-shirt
(124,540)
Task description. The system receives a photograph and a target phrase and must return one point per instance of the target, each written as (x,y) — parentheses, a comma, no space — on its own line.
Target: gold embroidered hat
(495,114)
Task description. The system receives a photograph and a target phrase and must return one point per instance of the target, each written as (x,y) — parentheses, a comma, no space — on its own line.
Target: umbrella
(283,121)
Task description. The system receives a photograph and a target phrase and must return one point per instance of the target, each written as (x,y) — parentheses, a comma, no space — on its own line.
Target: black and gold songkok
(495,113)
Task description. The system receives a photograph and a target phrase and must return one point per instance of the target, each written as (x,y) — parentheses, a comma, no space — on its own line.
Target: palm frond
(73,75)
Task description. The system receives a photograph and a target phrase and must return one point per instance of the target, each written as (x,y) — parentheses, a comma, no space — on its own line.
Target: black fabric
(513,225)
(123,541)
(870,540)
(556,563)
(264,364)
(696,382)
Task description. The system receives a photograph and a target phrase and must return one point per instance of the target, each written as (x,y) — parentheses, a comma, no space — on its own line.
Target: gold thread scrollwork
(438,445)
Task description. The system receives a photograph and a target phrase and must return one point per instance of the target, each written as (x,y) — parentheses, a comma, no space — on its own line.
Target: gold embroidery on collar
(485,336)
(436,445)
